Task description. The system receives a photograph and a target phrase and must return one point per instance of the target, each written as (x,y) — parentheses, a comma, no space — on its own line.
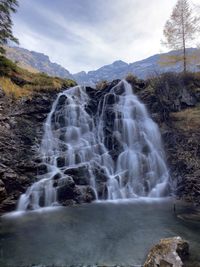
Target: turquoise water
(106,233)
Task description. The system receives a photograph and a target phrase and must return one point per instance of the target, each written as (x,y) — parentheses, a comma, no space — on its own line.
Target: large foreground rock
(170,252)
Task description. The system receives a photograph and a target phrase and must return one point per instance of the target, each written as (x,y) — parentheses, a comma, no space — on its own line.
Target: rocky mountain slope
(36,62)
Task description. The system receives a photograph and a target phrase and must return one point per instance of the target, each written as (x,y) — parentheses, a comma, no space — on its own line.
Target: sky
(87,34)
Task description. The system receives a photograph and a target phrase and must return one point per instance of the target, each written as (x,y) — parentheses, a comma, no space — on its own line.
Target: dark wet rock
(70,193)
(113,145)
(9,204)
(111,99)
(81,177)
(57,176)
(65,189)
(42,169)
(61,121)
(80,174)
(100,173)
(13,182)
(60,162)
(85,194)
(169,252)
(61,101)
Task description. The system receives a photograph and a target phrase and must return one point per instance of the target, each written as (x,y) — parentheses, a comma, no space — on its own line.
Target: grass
(13,90)
(188,119)
(17,82)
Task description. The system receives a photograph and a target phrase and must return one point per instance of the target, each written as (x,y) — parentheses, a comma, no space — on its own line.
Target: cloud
(86,34)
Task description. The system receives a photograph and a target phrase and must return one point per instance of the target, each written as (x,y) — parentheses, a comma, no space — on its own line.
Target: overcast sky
(87,34)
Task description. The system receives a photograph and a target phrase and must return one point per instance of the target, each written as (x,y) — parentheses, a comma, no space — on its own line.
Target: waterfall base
(66,236)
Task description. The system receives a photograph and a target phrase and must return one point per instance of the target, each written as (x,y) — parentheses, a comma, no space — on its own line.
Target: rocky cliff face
(172,101)
(21,130)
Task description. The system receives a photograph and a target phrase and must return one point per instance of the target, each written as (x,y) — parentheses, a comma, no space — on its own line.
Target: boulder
(65,189)
(60,162)
(85,194)
(80,174)
(68,192)
(8,204)
(61,101)
(169,252)
(42,169)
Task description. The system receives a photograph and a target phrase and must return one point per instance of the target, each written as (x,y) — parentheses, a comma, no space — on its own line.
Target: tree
(6,8)
(181,29)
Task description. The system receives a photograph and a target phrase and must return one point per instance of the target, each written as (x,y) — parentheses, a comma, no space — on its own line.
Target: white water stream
(75,137)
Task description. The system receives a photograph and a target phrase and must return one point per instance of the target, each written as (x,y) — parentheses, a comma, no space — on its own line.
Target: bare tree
(181,29)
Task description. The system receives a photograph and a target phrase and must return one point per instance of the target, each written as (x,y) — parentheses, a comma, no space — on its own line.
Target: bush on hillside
(7,67)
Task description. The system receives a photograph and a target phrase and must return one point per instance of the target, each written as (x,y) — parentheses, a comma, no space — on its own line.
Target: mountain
(151,66)
(143,69)
(116,70)
(36,62)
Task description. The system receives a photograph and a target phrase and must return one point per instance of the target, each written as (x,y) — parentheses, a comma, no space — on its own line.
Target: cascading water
(108,139)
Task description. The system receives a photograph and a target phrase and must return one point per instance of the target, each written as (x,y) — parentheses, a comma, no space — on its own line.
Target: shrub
(7,67)
(101,85)
(132,79)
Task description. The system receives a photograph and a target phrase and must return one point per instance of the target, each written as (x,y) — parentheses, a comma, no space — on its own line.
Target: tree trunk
(183,39)
(184,58)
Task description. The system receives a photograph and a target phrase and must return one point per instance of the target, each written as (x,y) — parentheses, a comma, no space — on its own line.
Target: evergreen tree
(180,30)
(6,8)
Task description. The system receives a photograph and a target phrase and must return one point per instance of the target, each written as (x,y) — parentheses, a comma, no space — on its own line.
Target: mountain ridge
(143,69)
(119,69)
(36,61)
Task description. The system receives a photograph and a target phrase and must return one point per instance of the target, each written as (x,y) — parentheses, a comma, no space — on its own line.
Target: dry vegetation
(11,89)
(17,82)
(188,119)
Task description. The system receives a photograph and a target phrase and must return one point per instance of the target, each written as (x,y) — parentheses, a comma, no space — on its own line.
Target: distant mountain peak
(120,63)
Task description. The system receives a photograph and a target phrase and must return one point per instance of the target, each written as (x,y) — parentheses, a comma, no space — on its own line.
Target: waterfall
(107,139)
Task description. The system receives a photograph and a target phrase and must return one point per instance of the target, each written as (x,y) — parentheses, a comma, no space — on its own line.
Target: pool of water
(100,233)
